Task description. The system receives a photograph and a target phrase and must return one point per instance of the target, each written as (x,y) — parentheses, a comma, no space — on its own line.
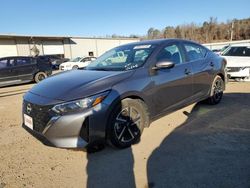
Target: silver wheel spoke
(130,132)
(121,120)
(138,118)
(119,137)
(129,111)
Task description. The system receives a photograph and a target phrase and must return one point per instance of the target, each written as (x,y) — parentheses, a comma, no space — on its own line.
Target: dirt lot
(197,146)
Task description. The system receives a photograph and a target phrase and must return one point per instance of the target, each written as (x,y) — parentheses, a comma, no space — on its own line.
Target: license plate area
(28,121)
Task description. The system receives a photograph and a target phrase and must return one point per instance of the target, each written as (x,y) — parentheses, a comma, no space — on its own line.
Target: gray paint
(163,91)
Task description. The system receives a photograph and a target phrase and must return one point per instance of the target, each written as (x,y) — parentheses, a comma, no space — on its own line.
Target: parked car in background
(20,69)
(216,51)
(114,101)
(76,63)
(238,61)
(223,49)
(55,60)
(220,51)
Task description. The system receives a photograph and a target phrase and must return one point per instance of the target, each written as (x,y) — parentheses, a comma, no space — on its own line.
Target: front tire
(75,67)
(40,76)
(127,122)
(216,91)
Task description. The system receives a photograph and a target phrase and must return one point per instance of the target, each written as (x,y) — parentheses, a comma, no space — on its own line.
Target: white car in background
(76,63)
(238,61)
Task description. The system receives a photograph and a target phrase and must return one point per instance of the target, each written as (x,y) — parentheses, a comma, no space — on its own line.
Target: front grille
(40,115)
(233,69)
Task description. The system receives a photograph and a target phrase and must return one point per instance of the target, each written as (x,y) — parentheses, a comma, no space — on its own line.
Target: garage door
(53,47)
(8,48)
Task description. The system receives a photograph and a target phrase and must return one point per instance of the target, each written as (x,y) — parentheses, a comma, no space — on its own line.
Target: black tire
(127,122)
(216,91)
(75,67)
(40,76)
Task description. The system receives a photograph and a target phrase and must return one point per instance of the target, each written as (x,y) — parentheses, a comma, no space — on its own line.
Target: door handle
(211,64)
(187,72)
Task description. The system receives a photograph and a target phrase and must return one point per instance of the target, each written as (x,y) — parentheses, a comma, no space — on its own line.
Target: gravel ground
(197,146)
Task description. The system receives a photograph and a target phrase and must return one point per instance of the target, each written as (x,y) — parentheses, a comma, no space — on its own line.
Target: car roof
(7,57)
(240,45)
(159,41)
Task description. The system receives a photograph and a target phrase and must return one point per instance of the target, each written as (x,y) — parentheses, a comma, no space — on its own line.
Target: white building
(70,47)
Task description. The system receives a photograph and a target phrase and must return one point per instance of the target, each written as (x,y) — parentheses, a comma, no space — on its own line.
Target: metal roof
(11,36)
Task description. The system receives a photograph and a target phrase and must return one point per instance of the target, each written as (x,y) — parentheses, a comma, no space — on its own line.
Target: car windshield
(76,59)
(122,58)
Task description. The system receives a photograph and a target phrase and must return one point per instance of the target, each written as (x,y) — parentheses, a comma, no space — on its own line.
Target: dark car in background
(22,69)
(114,98)
(55,60)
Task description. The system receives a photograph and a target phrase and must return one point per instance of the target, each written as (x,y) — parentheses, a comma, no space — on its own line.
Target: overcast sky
(107,17)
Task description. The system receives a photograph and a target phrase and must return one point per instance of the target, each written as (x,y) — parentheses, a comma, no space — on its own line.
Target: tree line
(209,31)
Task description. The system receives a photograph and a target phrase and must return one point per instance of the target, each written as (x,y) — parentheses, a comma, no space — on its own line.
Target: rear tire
(127,122)
(216,91)
(40,76)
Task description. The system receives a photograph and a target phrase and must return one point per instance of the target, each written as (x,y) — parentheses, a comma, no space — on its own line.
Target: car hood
(78,84)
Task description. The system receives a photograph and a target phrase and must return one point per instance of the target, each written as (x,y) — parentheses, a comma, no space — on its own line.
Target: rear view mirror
(163,65)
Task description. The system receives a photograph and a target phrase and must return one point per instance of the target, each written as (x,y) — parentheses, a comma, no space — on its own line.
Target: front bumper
(67,131)
(238,72)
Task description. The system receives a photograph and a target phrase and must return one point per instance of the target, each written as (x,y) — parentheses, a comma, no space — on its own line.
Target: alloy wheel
(126,125)
(218,89)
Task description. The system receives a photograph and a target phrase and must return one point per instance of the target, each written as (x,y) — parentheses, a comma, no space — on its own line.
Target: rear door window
(22,61)
(247,52)
(195,52)
(3,63)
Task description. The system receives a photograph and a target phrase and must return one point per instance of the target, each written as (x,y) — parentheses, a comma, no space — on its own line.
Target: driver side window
(170,53)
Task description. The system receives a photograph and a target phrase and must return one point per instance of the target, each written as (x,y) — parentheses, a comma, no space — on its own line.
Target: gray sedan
(122,92)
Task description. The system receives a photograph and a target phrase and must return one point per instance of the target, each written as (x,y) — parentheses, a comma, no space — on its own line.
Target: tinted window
(247,51)
(237,51)
(3,63)
(85,59)
(22,61)
(195,52)
(44,58)
(11,62)
(170,53)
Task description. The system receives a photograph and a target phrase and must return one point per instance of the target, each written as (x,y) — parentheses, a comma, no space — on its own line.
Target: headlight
(80,105)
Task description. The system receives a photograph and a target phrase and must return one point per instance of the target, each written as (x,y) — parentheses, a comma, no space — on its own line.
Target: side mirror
(163,65)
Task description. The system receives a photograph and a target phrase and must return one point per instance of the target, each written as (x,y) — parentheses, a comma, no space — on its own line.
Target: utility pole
(232,31)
